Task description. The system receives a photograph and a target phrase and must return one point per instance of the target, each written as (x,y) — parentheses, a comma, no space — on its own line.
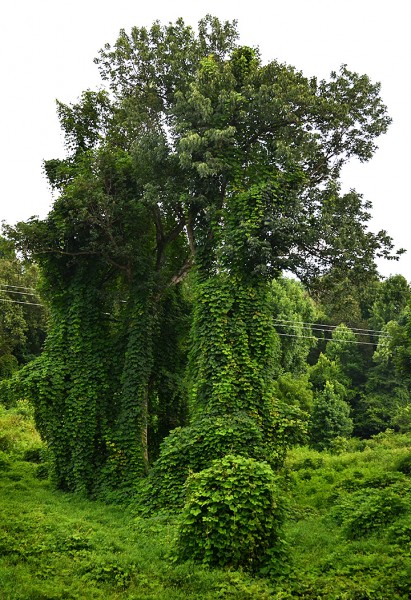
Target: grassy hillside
(348,532)
(349,522)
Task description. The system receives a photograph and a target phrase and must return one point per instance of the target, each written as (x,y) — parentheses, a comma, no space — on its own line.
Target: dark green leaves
(233,514)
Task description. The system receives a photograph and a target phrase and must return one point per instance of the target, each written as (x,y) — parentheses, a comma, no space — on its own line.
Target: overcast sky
(47,49)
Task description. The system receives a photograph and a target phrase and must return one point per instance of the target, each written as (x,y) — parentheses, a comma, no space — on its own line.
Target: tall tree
(197,154)
(330,418)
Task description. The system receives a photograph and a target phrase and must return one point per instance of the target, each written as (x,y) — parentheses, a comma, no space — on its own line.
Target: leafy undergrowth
(349,524)
(57,546)
(348,532)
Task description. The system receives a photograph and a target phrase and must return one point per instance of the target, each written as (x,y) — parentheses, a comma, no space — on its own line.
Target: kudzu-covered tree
(197,156)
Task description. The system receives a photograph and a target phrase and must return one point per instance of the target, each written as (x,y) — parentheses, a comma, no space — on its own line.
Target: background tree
(294,312)
(346,293)
(386,393)
(392,296)
(344,348)
(330,418)
(22,316)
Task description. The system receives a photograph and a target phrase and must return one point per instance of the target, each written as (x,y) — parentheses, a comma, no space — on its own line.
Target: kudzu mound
(233,514)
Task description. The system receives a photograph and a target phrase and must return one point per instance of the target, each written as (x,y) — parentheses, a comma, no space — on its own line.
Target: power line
(20,287)
(312,337)
(16,292)
(18,302)
(292,324)
(331,327)
(328,328)
(307,328)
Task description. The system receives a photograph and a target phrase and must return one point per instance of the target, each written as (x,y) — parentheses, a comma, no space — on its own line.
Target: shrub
(33,454)
(6,442)
(24,408)
(402,419)
(404,464)
(368,510)
(192,449)
(338,445)
(311,462)
(400,532)
(4,461)
(233,514)
(42,471)
(8,365)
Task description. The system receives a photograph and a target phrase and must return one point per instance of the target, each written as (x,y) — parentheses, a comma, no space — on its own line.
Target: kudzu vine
(197,159)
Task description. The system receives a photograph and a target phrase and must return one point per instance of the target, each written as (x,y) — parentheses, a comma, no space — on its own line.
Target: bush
(400,532)
(192,449)
(24,408)
(4,461)
(368,510)
(404,464)
(8,365)
(34,454)
(338,445)
(402,419)
(311,462)
(233,514)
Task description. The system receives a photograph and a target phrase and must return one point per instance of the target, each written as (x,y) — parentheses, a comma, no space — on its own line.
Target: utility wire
(311,337)
(18,302)
(294,324)
(326,327)
(308,328)
(16,292)
(20,287)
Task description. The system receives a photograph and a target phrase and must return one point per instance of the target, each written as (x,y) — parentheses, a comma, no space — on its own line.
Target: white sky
(47,49)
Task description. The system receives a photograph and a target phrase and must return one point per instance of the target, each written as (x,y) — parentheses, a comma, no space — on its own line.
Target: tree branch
(125,268)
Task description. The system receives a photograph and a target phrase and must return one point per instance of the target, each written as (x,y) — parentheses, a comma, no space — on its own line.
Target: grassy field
(348,532)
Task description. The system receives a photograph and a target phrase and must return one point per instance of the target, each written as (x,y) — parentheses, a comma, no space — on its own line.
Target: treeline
(23,315)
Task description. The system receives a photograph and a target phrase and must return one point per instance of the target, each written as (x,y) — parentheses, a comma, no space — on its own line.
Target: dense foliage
(22,316)
(221,525)
(191,183)
(54,545)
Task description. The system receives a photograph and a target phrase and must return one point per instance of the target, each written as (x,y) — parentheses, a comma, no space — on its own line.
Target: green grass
(55,545)
(350,522)
(348,532)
